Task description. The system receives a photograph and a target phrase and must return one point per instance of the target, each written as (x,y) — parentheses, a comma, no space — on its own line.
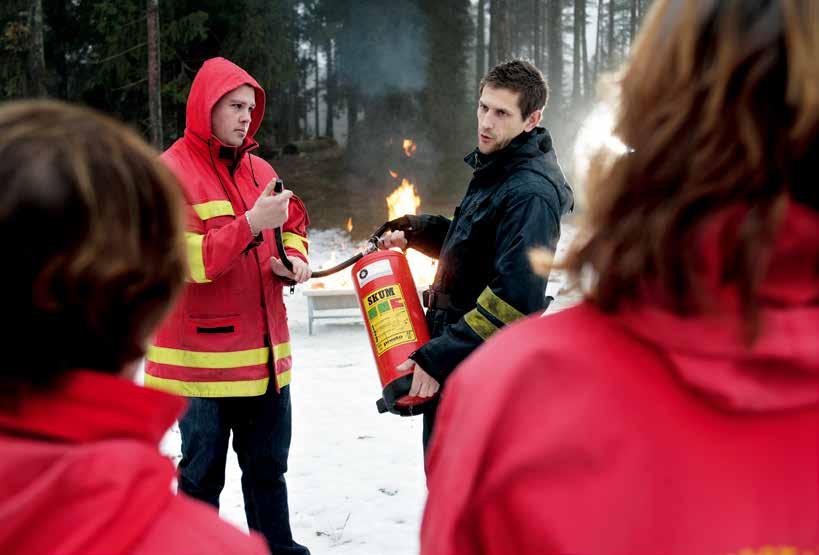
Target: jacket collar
(527,145)
(217,152)
(89,406)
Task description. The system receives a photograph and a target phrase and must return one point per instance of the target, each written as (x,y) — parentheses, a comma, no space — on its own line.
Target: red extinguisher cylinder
(395,324)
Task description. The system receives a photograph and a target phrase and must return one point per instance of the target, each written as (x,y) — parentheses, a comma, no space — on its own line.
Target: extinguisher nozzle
(381,406)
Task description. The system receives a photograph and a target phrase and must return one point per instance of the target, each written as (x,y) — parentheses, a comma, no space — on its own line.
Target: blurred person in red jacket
(676,410)
(226,345)
(91,230)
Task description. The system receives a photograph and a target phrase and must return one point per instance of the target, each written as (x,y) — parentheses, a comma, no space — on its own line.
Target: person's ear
(533,120)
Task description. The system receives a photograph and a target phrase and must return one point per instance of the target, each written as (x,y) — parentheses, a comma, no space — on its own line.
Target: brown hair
(521,77)
(720,108)
(91,233)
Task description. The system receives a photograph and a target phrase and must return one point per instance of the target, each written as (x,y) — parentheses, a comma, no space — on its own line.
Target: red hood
(80,470)
(215,79)
(780,370)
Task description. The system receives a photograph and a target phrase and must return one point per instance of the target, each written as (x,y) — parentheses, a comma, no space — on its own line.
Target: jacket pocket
(212,333)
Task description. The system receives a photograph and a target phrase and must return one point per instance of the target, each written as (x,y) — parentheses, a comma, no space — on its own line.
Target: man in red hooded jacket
(226,343)
(91,218)
(676,410)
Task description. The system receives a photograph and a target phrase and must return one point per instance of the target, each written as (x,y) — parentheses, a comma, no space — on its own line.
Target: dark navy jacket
(514,203)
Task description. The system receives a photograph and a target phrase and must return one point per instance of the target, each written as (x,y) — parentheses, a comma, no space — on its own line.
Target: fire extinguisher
(395,324)
(392,313)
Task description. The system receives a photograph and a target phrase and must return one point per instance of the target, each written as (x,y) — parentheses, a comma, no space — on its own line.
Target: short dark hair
(521,77)
(91,231)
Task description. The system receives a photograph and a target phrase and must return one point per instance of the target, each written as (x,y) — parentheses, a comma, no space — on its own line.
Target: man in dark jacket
(513,203)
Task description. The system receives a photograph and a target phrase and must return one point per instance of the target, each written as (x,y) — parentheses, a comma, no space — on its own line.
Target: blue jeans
(261,438)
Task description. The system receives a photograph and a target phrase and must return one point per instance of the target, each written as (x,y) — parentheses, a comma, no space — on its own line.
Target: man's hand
(270,210)
(423,385)
(398,232)
(301,271)
(392,239)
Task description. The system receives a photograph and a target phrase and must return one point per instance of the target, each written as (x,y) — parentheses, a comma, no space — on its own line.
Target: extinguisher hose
(372,246)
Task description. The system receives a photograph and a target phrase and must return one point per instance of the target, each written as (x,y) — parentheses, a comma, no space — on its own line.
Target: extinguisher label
(373,271)
(388,318)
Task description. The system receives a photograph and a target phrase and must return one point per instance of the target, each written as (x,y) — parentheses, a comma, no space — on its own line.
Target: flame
(393,174)
(409,147)
(403,200)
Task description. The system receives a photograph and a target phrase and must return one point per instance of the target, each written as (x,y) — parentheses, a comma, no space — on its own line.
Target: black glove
(408,224)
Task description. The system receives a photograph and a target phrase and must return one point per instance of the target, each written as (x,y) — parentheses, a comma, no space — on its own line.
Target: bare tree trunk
(352,112)
(329,130)
(298,104)
(480,44)
(598,55)
(579,28)
(316,90)
(504,38)
(538,31)
(35,63)
(611,35)
(154,84)
(493,32)
(584,51)
(554,37)
(632,22)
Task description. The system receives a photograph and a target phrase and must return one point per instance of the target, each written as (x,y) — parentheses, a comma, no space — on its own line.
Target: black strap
(436,300)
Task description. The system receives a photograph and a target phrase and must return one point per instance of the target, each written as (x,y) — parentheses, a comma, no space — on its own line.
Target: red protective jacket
(80,473)
(213,343)
(639,433)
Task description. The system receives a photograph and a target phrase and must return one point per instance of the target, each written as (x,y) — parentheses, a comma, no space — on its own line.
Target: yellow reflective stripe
(283,379)
(498,308)
(480,324)
(213,209)
(196,260)
(281,351)
(295,241)
(244,388)
(200,359)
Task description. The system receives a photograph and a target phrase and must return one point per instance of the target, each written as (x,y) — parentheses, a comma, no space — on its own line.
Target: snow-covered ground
(356,478)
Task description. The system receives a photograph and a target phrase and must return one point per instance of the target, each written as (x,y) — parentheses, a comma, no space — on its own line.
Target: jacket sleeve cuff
(253,241)
(293,253)
(435,369)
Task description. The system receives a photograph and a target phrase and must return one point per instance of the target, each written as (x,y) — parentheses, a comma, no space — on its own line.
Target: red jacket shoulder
(519,348)
(189,526)
(186,168)
(262,170)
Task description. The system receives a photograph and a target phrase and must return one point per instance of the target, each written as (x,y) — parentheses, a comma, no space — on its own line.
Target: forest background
(347,81)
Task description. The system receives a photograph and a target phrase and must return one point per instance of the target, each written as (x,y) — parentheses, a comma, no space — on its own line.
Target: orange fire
(409,147)
(404,200)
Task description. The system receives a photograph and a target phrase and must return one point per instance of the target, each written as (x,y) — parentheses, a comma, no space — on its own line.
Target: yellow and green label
(388,318)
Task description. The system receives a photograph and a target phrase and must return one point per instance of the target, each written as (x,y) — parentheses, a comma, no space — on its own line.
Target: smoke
(384,50)
(596,134)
